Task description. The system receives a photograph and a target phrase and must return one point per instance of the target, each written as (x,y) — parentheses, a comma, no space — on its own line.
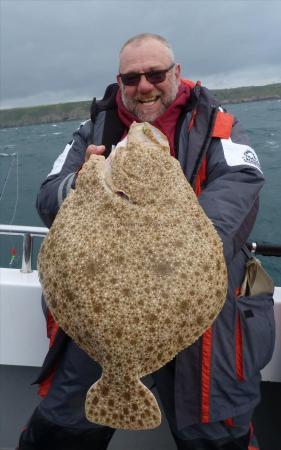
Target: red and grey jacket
(218,376)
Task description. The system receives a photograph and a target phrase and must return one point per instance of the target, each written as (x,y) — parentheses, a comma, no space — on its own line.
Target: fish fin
(126,405)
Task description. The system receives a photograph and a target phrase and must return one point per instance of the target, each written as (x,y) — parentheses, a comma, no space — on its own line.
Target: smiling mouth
(150,100)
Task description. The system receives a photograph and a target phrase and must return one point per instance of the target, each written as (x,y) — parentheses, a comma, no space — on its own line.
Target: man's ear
(178,72)
(118,81)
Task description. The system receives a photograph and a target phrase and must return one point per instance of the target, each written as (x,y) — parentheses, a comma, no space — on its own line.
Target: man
(209,391)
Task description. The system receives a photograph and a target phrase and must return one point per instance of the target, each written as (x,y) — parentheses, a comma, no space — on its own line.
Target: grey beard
(131,105)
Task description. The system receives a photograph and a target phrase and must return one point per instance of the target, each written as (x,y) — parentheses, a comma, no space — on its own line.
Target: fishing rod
(264,249)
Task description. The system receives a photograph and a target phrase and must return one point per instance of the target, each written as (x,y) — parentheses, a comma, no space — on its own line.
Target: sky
(56,51)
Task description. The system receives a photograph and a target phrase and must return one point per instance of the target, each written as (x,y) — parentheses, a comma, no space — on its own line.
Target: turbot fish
(133,271)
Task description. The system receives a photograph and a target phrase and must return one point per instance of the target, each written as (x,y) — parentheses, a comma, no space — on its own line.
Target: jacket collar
(107,102)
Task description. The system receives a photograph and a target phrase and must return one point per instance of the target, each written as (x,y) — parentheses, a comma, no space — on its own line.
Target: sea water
(33,149)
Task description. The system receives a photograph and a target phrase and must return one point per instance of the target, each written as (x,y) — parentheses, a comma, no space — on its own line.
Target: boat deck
(267,418)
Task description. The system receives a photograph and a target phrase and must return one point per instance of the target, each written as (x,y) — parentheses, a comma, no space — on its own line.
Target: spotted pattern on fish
(133,270)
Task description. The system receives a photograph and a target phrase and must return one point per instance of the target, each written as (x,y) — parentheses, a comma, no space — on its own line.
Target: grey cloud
(68,49)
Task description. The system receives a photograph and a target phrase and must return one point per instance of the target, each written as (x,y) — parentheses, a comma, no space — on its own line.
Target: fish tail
(127,405)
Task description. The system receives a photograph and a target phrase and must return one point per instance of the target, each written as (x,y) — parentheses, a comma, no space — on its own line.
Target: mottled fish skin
(133,270)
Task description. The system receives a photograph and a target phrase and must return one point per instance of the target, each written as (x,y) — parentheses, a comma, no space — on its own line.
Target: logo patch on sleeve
(239,154)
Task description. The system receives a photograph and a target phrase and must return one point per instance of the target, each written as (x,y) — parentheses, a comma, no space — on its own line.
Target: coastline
(250,100)
(62,112)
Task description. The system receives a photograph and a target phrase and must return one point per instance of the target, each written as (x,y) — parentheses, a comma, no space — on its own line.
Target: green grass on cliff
(249,93)
(60,112)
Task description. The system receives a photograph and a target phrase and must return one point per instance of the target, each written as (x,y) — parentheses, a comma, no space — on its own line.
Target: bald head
(139,39)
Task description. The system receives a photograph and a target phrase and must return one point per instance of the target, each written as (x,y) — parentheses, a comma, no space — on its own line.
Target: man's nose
(144,85)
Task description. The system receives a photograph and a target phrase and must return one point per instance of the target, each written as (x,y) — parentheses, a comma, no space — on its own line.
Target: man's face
(147,101)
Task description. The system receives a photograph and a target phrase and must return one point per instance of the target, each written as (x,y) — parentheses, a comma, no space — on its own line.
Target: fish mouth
(108,183)
(113,191)
(122,195)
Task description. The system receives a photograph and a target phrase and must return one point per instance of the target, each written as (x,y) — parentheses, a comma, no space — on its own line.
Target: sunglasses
(153,77)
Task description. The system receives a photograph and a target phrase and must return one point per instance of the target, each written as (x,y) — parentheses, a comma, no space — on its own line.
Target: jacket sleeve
(62,176)
(230,197)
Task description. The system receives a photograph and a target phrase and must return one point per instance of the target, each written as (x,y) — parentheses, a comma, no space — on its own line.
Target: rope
(2,191)
(8,173)
(14,159)
(17,190)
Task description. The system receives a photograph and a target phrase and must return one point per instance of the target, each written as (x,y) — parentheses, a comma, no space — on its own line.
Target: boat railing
(28,233)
